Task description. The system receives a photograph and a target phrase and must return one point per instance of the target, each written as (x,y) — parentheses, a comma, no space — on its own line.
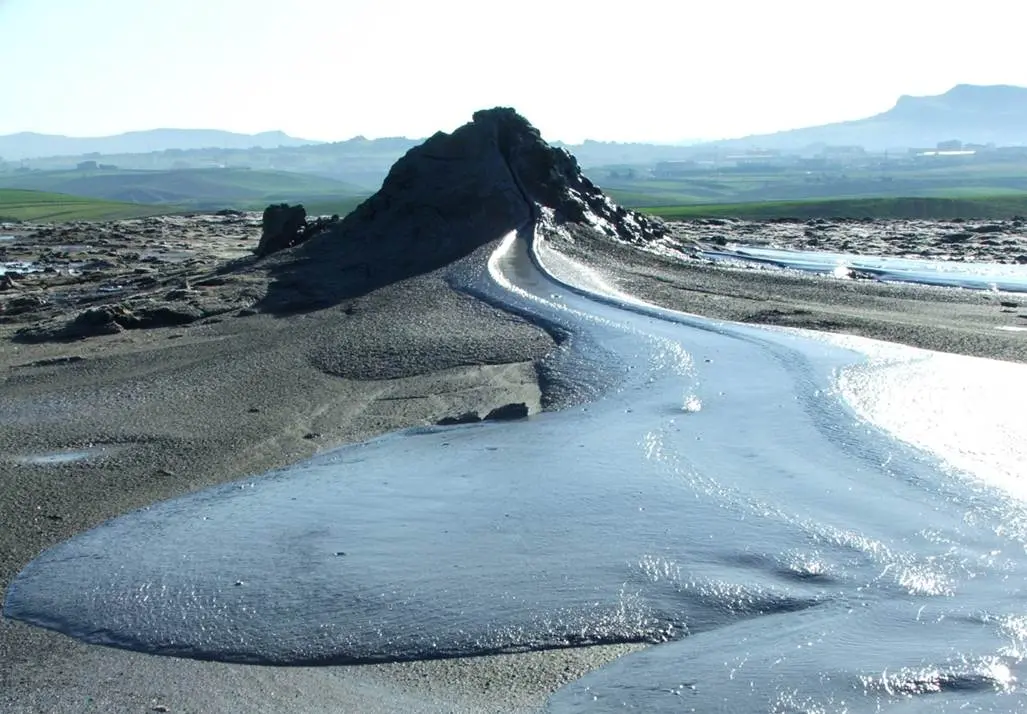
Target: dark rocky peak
(498,158)
(550,177)
(447,197)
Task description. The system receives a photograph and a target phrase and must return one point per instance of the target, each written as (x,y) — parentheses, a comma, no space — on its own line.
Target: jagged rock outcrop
(110,320)
(441,201)
(551,178)
(507,412)
(464,418)
(284,226)
(501,158)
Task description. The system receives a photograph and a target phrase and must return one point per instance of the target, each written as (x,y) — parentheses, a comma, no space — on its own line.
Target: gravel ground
(958,240)
(171,409)
(977,323)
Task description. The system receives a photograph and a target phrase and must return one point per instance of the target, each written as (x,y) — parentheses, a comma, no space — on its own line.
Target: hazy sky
(331,69)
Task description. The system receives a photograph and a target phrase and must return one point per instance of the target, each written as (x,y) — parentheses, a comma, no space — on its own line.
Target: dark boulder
(465,418)
(157,314)
(282,228)
(111,320)
(514,410)
(285,226)
(22,304)
(106,320)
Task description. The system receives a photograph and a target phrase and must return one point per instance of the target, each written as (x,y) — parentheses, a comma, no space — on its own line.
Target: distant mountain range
(28,145)
(969,113)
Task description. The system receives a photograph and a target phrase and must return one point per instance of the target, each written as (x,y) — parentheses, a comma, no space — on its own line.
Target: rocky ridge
(442,200)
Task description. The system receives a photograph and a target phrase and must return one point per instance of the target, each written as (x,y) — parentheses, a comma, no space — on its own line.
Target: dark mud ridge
(440,202)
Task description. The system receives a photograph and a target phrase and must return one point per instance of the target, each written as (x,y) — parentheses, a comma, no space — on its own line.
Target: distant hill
(27,145)
(969,113)
(614,153)
(360,161)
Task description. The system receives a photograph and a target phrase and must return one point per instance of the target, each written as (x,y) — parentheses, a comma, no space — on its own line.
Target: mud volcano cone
(441,201)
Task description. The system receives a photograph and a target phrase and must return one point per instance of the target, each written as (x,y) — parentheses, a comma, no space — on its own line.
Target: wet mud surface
(993,241)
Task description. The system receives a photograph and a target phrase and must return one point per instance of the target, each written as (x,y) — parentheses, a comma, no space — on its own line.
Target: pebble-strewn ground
(162,269)
(987,241)
(160,410)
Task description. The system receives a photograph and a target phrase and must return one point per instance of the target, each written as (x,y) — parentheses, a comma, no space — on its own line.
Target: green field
(196,189)
(21,205)
(754,184)
(1001,206)
(942,190)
